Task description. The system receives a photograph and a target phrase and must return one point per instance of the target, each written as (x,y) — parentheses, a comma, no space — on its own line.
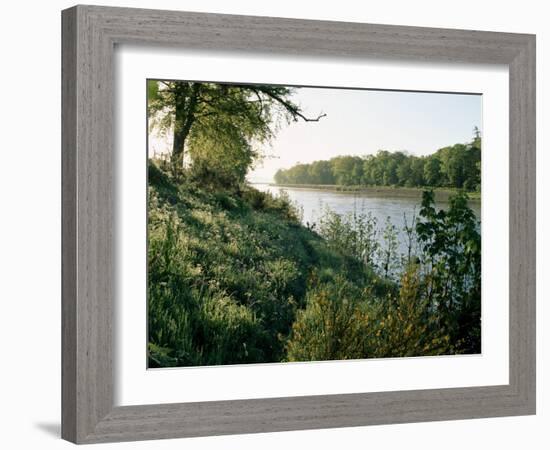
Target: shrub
(451,260)
(333,325)
(404,325)
(265,201)
(342,322)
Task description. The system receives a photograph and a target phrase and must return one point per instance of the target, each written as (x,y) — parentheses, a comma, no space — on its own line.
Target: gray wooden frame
(89,34)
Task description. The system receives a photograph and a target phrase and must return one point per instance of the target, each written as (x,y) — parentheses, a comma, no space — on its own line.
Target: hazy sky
(361,122)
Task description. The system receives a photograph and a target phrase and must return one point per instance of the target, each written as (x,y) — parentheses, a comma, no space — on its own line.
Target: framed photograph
(280,224)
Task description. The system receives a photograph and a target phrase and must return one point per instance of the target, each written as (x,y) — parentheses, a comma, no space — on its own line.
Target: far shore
(441,194)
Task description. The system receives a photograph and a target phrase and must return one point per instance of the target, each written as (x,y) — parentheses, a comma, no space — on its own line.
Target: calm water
(313,202)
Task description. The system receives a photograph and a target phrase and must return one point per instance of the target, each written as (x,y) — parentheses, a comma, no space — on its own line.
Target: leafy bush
(342,322)
(333,326)
(355,234)
(452,263)
(265,201)
(405,325)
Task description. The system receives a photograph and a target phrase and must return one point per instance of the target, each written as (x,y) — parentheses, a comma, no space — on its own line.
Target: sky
(361,122)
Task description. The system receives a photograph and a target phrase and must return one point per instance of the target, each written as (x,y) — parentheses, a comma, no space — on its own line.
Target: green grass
(228,273)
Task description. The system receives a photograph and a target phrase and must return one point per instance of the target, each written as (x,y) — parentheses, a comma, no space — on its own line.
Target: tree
(404,172)
(432,171)
(342,168)
(417,172)
(451,254)
(390,173)
(472,168)
(477,138)
(320,172)
(456,166)
(281,177)
(219,117)
(452,164)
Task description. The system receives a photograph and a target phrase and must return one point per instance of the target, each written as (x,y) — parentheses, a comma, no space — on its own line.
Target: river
(314,201)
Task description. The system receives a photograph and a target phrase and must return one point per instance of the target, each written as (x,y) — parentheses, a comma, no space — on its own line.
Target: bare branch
(290,107)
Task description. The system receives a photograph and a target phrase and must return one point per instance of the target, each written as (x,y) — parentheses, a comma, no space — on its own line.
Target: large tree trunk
(186,105)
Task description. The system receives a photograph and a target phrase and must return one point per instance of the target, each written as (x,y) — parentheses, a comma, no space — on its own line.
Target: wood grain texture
(522,224)
(88,298)
(89,36)
(68,225)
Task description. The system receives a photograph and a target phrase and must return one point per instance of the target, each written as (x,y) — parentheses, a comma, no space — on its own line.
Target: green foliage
(281,205)
(152,91)
(217,128)
(341,321)
(388,258)
(435,309)
(333,326)
(432,172)
(405,325)
(181,312)
(452,261)
(354,234)
(358,235)
(458,166)
(220,162)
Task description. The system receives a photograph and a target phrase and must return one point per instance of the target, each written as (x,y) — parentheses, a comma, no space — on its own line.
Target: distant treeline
(457,166)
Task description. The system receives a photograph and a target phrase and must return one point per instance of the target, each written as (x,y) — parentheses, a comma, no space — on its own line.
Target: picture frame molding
(89,37)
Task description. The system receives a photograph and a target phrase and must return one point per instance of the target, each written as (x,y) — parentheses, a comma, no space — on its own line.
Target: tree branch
(291,108)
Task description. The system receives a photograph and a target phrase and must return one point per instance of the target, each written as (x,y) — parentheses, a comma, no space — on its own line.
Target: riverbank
(441,194)
(229,273)
(235,277)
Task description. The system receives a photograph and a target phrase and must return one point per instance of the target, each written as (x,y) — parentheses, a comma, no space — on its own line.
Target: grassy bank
(441,194)
(233,277)
(228,273)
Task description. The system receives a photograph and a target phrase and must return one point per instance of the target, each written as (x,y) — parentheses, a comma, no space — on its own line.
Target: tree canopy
(219,125)
(457,166)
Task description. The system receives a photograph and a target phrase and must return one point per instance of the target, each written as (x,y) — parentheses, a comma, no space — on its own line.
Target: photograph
(292,224)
